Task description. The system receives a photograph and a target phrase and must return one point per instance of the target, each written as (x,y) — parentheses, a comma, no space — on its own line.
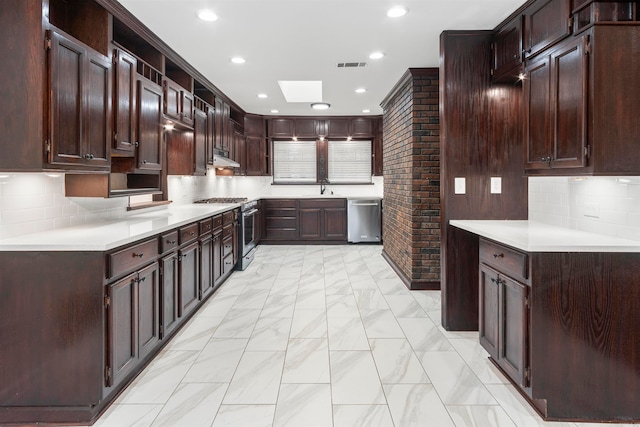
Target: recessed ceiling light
(361,90)
(396,12)
(320,106)
(275,111)
(238,60)
(376,55)
(366,111)
(207,15)
(262,95)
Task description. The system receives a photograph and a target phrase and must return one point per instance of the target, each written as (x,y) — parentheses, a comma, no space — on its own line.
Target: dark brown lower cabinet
(305,220)
(169,290)
(133,321)
(217,258)
(189,284)
(563,327)
(206,265)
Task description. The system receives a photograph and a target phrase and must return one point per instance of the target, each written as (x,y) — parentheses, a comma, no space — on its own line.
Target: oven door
(248,230)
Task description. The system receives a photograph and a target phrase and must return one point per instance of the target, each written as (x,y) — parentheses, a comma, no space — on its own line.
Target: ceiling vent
(351,64)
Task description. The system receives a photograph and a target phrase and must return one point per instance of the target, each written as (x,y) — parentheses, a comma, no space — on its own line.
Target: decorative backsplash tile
(604,205)
(35,202)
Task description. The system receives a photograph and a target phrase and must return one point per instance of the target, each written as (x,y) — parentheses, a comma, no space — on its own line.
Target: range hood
(221,160)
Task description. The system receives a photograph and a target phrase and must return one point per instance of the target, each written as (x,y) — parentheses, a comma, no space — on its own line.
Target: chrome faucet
(323,185)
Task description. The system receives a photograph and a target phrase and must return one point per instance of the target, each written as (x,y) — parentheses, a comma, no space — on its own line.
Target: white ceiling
(306,39)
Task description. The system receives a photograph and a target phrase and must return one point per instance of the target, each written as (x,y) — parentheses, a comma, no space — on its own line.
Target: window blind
(294,161)
(349,162)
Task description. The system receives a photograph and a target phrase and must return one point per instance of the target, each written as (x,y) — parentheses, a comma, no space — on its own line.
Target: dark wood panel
(169,294)
(362,127)
(52,330)
(132,257)
(188,233)
(200,143)
(148,310)
(306,128)
(310,223)
(489,320)
(150,135)
(504,259)
(125,102)
(338,128)
(585,329)
(189,283)
(335,223)
(546,22)
(481,134)
(281,128)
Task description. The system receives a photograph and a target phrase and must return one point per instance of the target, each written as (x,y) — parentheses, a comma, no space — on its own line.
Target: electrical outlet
(496,185)
(592,210)
(460,185)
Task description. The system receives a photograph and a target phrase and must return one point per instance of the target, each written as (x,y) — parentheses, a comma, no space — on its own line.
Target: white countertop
(537,237)
(106,235)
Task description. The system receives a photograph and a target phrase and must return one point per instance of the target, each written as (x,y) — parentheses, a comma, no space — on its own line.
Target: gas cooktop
(223,200)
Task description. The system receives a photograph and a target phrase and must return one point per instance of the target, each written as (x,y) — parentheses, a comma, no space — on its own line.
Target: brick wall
(412,178)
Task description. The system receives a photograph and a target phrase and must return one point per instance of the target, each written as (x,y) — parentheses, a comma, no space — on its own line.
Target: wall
(412,178)
(604,205)
(32,202)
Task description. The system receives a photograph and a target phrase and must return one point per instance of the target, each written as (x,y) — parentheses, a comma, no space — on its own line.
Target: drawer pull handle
(171,242)
(193,233)
(135,255)
(498,256)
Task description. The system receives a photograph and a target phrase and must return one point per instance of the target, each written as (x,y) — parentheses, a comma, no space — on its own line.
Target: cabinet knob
(144,162)
(498,255)
(135,255)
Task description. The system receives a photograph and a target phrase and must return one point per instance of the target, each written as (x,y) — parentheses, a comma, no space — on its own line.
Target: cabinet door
(122,324)
(97,118)
(338,128)
(169,290)
(217,258)
(200,142)
(361,128)
(228,128)
(126,84)
(507,51)
(172,99)
(489,321)
(546,22)
(281,128)
(149,125)
(189,284)
(239,153)
(569,83)
(335,223)
(306,128)
(536,119)
(514,329)
(148,310)
(80,99)
(186,107)
(211,134)
(219,123)
(256,156)
(206,266)
(310,220)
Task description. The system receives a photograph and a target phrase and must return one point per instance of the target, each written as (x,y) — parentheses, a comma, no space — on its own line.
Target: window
(349,162)
(294,161)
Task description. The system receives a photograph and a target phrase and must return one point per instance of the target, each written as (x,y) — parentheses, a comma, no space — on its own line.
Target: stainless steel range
(247,227)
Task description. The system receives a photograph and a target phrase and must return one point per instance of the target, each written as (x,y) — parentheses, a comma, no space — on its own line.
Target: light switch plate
(460,185)
(496,185)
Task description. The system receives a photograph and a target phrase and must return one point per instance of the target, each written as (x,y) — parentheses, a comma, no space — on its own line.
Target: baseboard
(414,285)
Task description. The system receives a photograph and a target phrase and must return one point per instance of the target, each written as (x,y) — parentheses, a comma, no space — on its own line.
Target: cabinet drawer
(227,218)
(281,222)
(227,264)
(168,241)
(188,233)
(504,259)
(217,222)
(276,203)
(131,258)
(227,231)
(206,226)
(282,212)
(322,203)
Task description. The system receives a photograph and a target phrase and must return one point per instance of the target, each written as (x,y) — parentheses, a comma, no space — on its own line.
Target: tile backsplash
(604,205)
(35,202)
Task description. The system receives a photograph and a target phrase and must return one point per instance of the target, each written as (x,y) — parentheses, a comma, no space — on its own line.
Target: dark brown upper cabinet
(79,104)
(149,118)
(338,128)
(546,22)
(306,128)
(223,126)
(506,52)
(361,127)
(178,102)
(124,102)
(200,142)
(556,108)
(281,128)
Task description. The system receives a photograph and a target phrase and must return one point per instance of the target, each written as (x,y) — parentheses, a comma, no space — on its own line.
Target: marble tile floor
(320,336)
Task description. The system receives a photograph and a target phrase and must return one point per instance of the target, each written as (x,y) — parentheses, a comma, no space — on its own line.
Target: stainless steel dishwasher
(364,219)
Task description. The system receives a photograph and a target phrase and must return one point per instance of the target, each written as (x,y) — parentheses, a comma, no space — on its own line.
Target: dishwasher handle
(365,204)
